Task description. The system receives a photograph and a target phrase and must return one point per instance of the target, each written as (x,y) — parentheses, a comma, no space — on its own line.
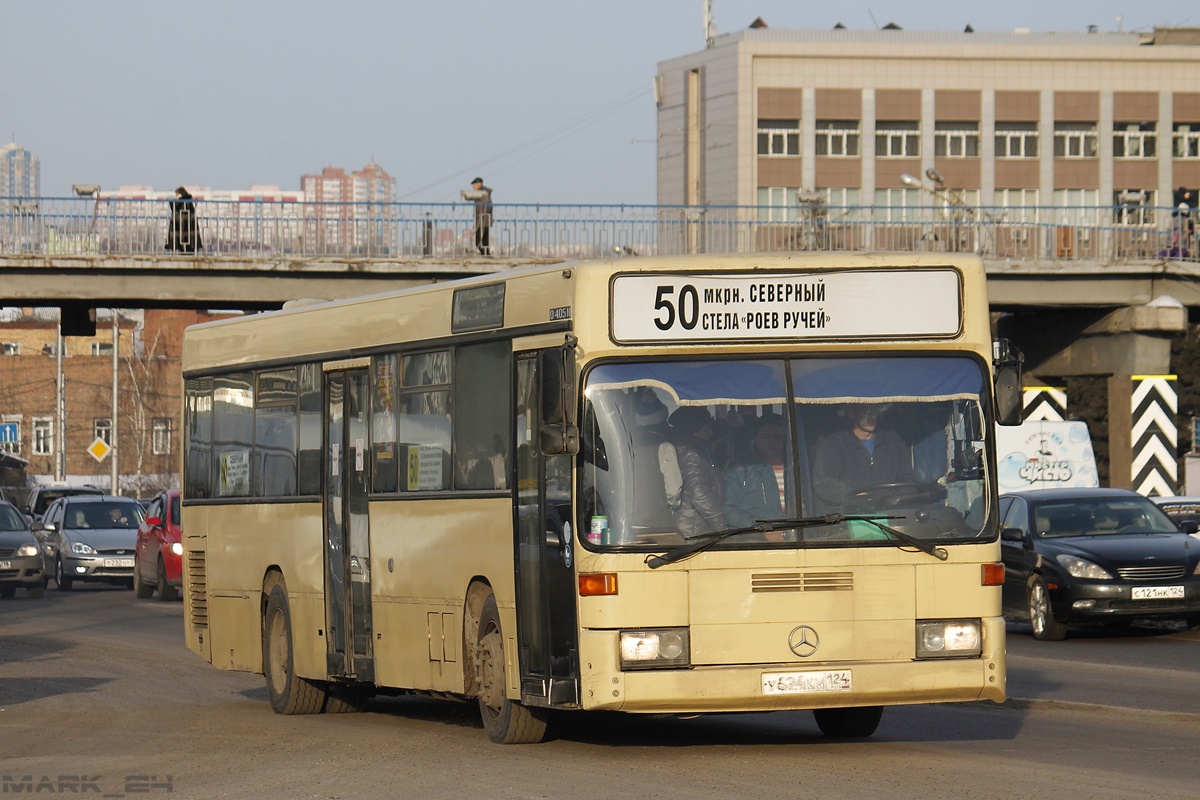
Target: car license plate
(837,680)
(5,565)
(1157,592)
(118,562)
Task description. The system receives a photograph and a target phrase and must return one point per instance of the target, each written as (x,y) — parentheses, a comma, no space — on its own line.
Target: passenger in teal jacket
(755,488)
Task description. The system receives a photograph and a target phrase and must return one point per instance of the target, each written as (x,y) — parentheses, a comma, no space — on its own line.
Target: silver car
(20,555)
(90,538)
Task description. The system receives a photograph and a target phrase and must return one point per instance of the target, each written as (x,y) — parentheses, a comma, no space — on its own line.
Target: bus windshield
(675,450)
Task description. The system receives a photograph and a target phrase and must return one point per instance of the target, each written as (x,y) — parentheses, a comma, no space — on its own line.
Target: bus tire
(346,699)
(505,721)
(165,590)
(140,588)
(848,723)
(1041,614)
(287,691)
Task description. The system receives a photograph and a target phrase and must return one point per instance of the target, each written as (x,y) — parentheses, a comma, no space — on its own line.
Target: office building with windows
(1085,129)
(20,172)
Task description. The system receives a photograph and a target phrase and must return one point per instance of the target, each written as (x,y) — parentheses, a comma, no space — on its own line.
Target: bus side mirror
(559,434)
(1006,364)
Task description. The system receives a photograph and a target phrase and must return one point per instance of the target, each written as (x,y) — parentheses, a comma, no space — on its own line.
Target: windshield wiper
(707,540)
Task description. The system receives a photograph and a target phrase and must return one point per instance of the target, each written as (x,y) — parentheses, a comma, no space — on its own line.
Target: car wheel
(61,580)
(8,591)
(506,721)
(1193,621)
(140,587)
(1041,615)
(287,691)
(848,723)
(165,590)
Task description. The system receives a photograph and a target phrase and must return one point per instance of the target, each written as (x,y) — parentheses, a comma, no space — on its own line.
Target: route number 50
(689,307)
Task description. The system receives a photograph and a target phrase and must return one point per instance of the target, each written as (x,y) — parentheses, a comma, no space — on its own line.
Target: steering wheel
(908,493)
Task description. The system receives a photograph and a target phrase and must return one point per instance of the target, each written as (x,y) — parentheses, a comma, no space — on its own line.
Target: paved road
(98,693)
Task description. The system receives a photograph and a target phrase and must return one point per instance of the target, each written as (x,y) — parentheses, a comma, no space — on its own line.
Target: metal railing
(257,229)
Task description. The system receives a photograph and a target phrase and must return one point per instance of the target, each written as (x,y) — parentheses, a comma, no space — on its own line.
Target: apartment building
(20,172)
(1086,129)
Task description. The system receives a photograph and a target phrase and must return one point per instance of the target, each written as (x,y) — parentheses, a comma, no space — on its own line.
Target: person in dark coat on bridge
(483,215)
(183,235)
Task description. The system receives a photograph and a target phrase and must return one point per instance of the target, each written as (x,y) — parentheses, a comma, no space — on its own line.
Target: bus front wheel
(848,723)
(506,721)
(288,692)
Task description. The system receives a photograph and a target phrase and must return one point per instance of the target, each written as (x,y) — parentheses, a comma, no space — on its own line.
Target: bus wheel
(288,692)
(140,587)
(346,699)
(848,723)
(1041,615)
(506,721)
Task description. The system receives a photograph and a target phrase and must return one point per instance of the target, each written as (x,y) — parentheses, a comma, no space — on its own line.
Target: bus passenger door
(546,547)
(347,549)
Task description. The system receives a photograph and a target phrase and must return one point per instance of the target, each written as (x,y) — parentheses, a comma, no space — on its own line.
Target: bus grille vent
(198,588)
(802,582)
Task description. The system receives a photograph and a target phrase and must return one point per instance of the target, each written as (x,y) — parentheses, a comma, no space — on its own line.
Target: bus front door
(546,546)
(347,544)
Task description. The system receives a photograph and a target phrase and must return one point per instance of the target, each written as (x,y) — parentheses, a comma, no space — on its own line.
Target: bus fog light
(952,638)
(650,649)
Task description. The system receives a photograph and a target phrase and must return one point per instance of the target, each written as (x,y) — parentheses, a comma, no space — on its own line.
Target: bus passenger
(657,484)
(847,462)
(700,503)
(755,486)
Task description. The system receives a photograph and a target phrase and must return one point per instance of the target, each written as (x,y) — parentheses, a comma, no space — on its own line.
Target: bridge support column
(1143,433)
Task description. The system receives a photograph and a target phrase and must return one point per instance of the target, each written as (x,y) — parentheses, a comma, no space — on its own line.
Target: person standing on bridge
(183,236)
(482,197)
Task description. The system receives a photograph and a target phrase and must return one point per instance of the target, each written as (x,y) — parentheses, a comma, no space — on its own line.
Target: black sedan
(1095,555)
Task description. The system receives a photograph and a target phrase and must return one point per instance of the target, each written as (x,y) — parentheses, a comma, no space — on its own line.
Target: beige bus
(651,485)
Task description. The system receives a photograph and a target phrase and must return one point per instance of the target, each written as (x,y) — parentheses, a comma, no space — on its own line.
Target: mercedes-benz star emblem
(803,641)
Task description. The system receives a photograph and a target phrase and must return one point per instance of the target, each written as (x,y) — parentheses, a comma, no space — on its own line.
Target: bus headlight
(948,638)
(649,649)
(177,548)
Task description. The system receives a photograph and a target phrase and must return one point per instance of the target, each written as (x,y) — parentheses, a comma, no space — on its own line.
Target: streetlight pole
(60,440)
(116,335)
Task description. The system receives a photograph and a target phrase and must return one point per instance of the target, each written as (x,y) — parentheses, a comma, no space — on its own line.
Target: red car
(158,562)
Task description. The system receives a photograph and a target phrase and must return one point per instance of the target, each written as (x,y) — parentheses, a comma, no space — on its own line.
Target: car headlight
(27,550)
(82,548)
(948,638)
(177,548)
(649,649)
(1082,568)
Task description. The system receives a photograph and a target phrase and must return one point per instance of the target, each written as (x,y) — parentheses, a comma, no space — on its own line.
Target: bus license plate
(837,680)
(118,562)
(1157,592)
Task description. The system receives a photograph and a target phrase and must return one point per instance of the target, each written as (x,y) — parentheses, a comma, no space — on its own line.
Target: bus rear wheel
(848,723)
(287,691)
(506,721)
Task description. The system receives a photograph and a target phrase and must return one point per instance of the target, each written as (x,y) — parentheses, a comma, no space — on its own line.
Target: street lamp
(960,212)
(89,190)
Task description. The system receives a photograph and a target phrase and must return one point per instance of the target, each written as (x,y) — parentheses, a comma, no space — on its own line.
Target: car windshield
(675,450)
(11,519)
(103,515)
(1101,516)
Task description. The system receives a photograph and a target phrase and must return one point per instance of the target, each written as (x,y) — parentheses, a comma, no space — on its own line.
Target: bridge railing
(275,230)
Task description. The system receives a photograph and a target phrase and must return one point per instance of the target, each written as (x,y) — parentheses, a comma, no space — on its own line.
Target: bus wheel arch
(505,721)
(287,691)
(478,591)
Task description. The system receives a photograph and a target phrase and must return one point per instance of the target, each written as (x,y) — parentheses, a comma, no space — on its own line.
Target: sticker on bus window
(860,304)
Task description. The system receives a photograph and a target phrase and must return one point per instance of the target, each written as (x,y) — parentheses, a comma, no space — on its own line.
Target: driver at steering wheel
(849,461)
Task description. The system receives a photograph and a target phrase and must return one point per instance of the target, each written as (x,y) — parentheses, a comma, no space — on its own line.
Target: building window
(778,137)
(1134,140)
(837,137)
(842,201)
(778,203)
(102,348)
(10,348)
(956,139)
(160,436)
(1016,140)
(43,436)
(1133,206)
(897,205)
(1077,206)
(1017,205)
(103,430)
(1074,140)
(50,349)
(10,434)
(1187,140)
(897,140)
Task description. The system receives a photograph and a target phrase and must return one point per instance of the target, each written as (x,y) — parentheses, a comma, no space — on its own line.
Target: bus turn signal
(993,575)
(597,583)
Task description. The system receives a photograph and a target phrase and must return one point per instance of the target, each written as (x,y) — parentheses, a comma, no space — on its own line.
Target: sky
(550,101)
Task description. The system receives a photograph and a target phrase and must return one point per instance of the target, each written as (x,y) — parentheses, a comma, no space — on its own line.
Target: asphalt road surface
(99,697)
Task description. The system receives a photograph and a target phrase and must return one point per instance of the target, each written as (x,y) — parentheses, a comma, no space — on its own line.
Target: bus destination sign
(862,304)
